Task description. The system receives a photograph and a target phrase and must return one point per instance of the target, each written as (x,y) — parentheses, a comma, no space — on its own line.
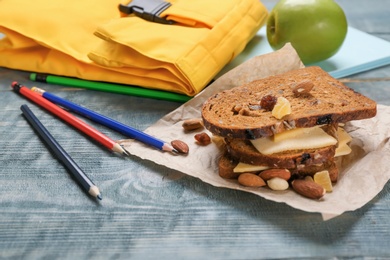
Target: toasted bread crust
(226,166)
(236,113)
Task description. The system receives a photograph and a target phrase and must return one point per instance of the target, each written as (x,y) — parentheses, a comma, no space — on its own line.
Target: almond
(277,183)
(250,180)
(303,87)
(271,173)
(308,189)
(203,138)
(180,146)
(192,124)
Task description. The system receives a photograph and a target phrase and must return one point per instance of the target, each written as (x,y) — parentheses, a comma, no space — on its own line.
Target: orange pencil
(69,118)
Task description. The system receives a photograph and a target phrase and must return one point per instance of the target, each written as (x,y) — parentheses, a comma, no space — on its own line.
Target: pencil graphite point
(120,149)
(125,152)
(60,153)
(94,192)
(168,148)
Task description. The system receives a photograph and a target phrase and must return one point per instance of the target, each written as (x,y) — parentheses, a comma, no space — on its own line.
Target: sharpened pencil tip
(168,148)
(125,152)
(120,149)
(99,196)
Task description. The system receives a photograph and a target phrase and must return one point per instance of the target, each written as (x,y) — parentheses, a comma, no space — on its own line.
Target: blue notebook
(359,52)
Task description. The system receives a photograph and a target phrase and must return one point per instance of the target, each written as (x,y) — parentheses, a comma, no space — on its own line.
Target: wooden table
(151,212)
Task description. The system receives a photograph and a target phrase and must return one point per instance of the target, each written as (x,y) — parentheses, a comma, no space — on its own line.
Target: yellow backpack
(181,51)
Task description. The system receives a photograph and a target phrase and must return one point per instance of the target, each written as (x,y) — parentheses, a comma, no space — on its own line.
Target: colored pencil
(69,118)
(61,154)
(106,121)
(110,87)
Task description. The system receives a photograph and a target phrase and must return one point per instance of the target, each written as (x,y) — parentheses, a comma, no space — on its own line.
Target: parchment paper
(363,173)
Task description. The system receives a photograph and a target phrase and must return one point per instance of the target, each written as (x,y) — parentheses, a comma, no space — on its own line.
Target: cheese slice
(314,137)
(291,133)
(344,139)
(244,167)
(343,136)
(342,150)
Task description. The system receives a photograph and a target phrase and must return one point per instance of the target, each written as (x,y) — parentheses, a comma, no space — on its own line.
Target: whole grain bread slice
(236,113)
(302,159)
(243,151)
(226,165)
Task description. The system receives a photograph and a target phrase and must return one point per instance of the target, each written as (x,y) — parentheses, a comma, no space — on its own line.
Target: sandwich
(289,123)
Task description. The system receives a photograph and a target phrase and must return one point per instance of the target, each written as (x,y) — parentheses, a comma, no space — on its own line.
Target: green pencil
(109,87)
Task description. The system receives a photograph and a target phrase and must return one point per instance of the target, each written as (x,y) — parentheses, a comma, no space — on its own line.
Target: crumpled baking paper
(363,173)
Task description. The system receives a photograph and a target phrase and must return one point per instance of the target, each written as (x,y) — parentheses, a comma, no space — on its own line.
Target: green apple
(315,28)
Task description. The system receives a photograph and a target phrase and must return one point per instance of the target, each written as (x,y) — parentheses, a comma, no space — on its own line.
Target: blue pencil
(106,121)
(60,153)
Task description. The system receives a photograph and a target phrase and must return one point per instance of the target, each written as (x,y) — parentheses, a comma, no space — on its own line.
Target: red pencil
(69,118)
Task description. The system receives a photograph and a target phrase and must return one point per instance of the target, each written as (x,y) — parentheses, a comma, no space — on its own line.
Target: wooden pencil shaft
(106,121)
(57,149)
(110,87)
(67,117)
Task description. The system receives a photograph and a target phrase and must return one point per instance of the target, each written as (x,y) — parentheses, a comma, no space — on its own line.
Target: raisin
(324,120)
(249,134)
(268,102)
(305,157)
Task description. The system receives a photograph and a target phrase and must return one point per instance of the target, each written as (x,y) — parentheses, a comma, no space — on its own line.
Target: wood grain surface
(151,212)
